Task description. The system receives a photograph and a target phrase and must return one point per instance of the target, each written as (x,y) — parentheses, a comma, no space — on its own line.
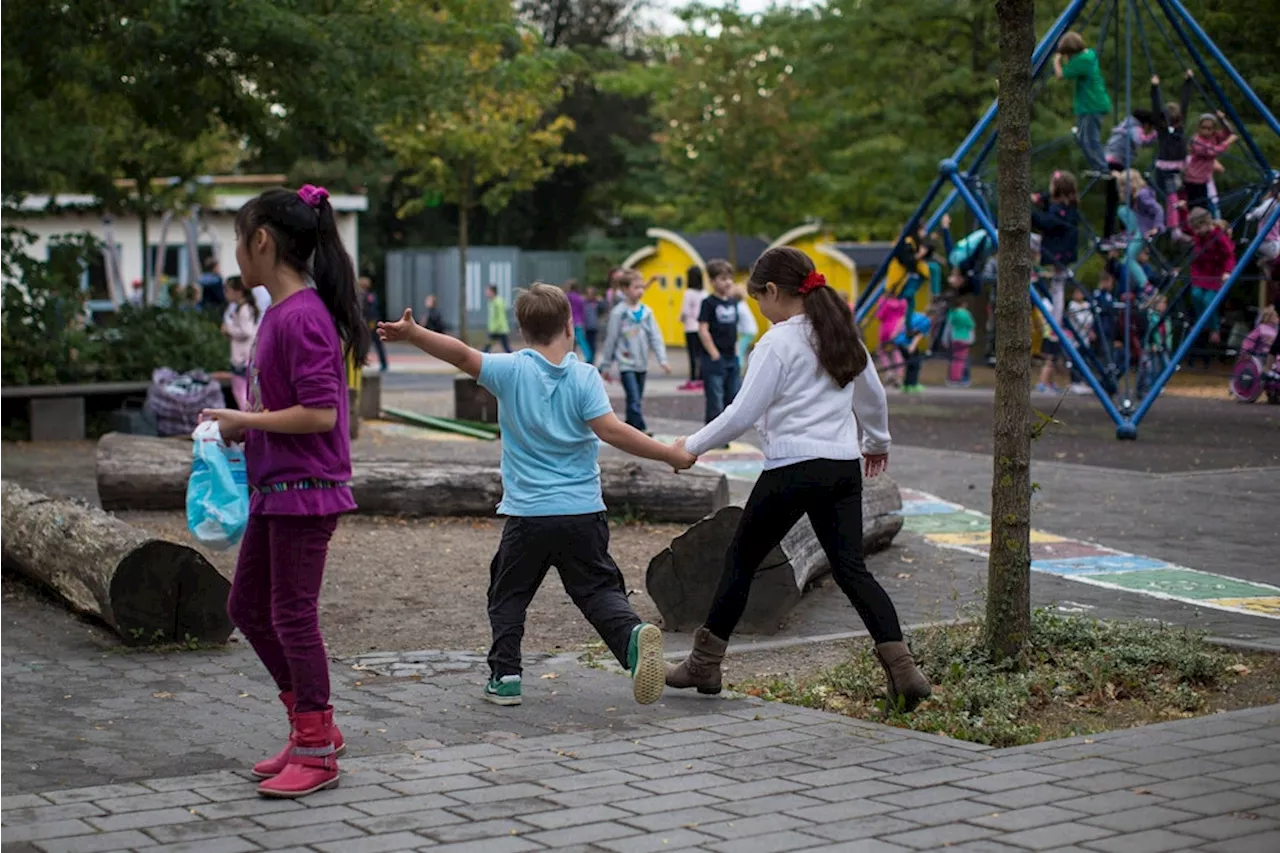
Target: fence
(413,274)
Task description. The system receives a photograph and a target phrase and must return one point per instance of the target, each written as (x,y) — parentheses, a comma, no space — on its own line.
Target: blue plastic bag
(218,490)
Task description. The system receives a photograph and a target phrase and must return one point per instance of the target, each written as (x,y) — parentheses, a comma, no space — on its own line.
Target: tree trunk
(148,590)
(1008,625)
(682,580)
(142,473)
(148,265)
(464,201)
(731,233)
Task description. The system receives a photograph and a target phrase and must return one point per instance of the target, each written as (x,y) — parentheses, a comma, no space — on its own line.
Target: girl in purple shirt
(298,454)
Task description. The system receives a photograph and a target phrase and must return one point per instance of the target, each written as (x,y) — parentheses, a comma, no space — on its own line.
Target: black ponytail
(307,239)
(335,278)
(840,350)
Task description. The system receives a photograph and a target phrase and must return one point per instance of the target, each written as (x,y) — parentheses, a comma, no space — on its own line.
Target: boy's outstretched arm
(443,347)
(628,439)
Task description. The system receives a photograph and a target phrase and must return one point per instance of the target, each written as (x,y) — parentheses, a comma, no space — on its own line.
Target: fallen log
(148,590)
(682,579)
(143,473)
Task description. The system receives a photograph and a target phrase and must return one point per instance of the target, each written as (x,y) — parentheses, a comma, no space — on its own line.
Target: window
(679,282)
(662,282)
(176,262)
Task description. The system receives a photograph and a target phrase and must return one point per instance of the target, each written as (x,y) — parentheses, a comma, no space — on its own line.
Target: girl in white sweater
(810,387)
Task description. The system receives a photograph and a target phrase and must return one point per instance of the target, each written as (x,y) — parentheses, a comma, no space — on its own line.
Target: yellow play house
(667,263)
(668,260)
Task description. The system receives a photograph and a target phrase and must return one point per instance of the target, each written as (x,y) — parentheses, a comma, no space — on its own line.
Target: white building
(214,233)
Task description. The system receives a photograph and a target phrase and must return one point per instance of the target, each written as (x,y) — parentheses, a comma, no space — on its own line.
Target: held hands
(400,329)
(876,464)
(232,423)
(679,458)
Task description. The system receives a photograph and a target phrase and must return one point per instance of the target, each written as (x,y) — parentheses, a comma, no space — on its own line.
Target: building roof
(866,255)
(715,244)
(222,202)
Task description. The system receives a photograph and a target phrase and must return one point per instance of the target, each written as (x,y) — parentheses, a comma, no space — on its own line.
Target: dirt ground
(409,584)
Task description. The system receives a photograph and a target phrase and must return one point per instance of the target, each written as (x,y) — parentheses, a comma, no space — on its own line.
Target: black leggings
(693,344)
(830,492)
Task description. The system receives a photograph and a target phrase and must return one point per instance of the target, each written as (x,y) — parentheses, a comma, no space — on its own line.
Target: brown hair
(1071,44)
(1173,113)
(840,351)
(1062,189)
(543,312)
(1199,217)
(719,267)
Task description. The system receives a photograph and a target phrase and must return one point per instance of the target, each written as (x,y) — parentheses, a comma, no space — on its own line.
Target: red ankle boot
(312,763)
(269,767)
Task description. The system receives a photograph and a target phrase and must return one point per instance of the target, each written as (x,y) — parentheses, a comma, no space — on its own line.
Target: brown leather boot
(907,685)
(701,669)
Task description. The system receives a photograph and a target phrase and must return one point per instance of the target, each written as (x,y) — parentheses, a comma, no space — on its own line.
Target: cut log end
(163,592)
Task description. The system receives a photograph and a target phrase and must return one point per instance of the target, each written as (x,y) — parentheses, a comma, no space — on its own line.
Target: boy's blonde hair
(543,313)
(1071,44)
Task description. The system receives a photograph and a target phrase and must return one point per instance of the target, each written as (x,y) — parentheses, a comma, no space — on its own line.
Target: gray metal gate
(412,274)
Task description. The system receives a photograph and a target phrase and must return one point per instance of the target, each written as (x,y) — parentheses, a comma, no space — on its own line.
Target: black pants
(378,346)
(578,546)
(1198,196)
(830,492)
(693,345)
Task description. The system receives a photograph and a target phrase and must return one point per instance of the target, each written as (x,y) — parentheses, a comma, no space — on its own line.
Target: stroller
(1248,379)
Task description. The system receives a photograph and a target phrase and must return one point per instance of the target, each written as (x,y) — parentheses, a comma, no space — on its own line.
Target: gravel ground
(396,584)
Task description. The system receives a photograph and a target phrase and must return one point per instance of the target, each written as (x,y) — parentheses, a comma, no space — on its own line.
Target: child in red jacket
(1212,262)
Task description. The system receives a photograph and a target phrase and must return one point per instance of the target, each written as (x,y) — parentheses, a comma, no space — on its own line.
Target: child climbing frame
(964,177)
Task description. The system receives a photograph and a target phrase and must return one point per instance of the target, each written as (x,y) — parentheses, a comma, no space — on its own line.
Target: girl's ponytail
(306,236)
(335,279)
(840,350)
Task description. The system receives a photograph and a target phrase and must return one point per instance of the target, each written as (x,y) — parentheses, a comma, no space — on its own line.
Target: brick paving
(733,775)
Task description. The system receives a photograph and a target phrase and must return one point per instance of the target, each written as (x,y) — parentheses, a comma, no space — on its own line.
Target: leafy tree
(491,134)
(1008,624)
(729,109)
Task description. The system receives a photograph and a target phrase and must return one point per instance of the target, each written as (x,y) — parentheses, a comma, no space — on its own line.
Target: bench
(57,412)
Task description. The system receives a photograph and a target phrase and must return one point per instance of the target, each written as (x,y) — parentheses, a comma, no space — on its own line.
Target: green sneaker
(503,691)
(644,659)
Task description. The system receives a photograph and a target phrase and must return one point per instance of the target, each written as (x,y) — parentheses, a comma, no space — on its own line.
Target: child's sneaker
(912,389)
(1080,389)
(644,659)
(503,691)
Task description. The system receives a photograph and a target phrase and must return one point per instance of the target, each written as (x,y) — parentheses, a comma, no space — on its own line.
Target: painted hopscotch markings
(949,525)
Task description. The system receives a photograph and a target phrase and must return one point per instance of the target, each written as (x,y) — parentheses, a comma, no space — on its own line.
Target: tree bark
(464,203)
(148,590)
(682,580)
(1008,623)
(143,473)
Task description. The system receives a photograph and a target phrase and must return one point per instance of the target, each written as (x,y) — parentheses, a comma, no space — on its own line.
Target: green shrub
(47,342)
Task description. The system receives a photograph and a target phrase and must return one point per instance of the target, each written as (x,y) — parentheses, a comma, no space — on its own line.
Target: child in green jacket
(1091,104)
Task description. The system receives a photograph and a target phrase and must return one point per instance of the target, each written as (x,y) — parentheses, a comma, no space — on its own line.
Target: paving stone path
(735,776)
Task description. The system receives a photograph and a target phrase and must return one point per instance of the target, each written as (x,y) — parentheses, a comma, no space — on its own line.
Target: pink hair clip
(312,195)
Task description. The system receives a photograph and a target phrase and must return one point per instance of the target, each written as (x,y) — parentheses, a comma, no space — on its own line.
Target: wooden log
(139,472)
(148,590)
(682,579)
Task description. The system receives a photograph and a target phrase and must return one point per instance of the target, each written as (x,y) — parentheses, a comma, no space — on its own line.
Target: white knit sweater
(797,408)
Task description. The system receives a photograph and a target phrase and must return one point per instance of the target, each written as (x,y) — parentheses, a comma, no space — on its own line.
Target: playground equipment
(967,175)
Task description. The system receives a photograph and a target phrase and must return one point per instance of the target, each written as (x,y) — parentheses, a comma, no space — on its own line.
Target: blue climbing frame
(951,171)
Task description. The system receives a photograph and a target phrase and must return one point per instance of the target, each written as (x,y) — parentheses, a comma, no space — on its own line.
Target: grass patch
(1080,676)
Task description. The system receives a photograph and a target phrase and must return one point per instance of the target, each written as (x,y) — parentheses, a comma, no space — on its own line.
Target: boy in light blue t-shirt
(554,411)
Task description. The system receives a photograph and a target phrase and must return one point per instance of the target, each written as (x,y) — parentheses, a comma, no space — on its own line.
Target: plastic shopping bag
(218,490)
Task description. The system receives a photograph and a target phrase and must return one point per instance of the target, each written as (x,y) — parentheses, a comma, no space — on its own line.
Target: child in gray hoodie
(632,332)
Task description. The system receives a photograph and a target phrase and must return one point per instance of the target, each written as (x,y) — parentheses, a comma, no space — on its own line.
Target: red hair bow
(812,282)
